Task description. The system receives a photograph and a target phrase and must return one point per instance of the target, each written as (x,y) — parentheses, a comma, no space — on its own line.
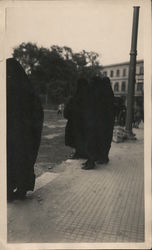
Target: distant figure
(24,127)
(122,116)
(60,109)
(137,117)
(99,122)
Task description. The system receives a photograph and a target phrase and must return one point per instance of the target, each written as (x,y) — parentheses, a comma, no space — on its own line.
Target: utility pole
(132,77)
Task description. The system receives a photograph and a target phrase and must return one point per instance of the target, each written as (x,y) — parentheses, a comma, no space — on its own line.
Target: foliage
(54,71)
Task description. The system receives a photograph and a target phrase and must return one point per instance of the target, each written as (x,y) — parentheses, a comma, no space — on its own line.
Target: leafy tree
(54,71)
(57,91)
(27,54)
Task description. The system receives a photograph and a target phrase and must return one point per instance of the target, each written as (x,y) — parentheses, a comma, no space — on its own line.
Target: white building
(118,74)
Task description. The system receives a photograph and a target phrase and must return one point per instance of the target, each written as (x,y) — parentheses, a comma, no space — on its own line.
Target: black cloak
(24,127)
(100,118)
(75,110)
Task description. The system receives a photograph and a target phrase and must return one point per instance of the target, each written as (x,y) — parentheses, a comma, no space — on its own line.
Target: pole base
(129,135)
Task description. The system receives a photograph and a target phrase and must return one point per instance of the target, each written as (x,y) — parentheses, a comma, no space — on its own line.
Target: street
(69,204)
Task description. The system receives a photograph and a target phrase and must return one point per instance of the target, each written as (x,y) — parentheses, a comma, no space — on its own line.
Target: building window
(124,72)
(111,73)
(105,73)
(123,86)
(117,72)
(141,70)
(116,87)
(140,86)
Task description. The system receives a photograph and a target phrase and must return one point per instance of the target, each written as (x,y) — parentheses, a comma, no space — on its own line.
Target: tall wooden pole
(132,76)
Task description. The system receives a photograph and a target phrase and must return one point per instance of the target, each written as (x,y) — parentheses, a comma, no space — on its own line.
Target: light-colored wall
(121,78)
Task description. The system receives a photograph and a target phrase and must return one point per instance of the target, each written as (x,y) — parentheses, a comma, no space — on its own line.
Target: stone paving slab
(44,179)
(51,136)
(101,205)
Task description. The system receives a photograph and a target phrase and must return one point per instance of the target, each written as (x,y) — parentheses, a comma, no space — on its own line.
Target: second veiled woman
(75,110)
(99,122)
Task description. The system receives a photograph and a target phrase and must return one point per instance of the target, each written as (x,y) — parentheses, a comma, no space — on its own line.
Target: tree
(54,71)
(27,54)
(87,64)
(57,91)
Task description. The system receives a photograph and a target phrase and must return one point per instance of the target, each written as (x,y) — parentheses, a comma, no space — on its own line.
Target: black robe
(24,127)
(99,119)
(74,111)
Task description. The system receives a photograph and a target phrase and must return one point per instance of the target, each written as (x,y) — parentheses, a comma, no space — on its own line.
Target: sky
(101,26)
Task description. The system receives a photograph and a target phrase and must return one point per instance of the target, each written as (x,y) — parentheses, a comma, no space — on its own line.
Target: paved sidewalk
(101,205)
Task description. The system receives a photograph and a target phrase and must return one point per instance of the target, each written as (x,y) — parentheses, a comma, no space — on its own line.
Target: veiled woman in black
(24,127)
(99,121)
(75,110)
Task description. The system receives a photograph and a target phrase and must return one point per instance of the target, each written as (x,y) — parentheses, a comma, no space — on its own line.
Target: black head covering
(102,86)
(16,76)
(82,85)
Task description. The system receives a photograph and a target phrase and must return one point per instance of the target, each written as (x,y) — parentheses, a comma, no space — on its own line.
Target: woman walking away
(99,122)
(24,127)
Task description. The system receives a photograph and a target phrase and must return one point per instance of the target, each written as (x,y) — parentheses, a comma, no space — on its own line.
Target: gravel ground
(52,150)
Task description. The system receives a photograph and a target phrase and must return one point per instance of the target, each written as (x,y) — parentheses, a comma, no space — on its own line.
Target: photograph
(76,124)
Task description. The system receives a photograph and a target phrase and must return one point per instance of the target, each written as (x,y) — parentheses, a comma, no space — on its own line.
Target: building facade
(118,74)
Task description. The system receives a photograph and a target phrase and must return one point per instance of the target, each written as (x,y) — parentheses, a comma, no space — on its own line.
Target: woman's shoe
(88,165)
(19,195)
